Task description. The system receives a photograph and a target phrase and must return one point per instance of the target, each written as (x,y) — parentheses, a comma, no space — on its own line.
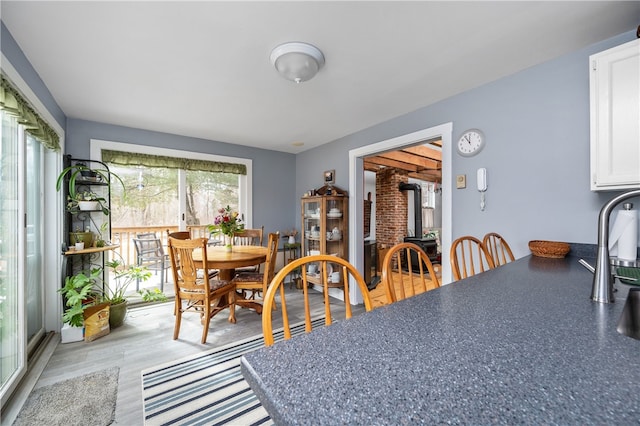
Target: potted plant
(81,172)
(100,242)
(115,289)
(79,294)
(79,236)
(86,201)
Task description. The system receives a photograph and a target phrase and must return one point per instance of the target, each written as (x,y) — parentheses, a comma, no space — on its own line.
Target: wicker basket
(553,249)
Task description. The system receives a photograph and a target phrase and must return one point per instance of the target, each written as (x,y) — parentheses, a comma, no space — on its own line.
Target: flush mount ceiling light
(297,61)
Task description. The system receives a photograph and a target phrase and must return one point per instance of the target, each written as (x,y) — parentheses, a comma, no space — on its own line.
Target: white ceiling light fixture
(297,61)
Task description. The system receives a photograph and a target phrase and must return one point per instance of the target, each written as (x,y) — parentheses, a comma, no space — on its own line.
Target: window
(172,194)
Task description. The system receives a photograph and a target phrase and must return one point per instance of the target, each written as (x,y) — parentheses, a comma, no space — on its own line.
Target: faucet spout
(602,288)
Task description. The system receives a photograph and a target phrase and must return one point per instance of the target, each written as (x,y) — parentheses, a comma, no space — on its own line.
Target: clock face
(470,143)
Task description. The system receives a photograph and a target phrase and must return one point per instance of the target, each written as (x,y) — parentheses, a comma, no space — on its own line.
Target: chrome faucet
(602,289)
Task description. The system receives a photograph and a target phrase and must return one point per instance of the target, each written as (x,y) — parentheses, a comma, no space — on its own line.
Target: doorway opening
(356,188)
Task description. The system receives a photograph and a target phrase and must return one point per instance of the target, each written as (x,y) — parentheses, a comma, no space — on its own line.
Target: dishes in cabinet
(334,213)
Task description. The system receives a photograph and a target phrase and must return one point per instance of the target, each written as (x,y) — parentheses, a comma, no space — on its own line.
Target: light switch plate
(461,181)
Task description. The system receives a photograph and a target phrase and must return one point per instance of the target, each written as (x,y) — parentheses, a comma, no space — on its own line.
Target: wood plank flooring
(146,340)
(379,296)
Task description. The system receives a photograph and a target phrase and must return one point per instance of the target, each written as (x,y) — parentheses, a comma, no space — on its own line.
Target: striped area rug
(207,388)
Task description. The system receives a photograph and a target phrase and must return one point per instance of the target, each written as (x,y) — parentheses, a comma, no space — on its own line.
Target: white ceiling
(202,68)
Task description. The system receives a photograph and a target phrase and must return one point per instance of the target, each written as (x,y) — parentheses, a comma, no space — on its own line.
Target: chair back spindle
(468,256)
(323,264)
(407,271)
(498,249)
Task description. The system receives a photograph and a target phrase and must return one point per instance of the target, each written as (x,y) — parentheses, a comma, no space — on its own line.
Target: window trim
(245,181)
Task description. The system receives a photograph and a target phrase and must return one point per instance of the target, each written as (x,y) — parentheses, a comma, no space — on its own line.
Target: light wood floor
(379,296)
(146,340)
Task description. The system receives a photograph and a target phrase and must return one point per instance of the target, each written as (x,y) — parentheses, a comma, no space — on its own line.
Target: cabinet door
(311,226)
(615,118)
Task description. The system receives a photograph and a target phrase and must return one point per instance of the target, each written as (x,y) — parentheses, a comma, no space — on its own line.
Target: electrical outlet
(461,181)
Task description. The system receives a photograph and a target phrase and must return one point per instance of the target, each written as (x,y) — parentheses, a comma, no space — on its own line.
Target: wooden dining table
(219,258)
(226,262)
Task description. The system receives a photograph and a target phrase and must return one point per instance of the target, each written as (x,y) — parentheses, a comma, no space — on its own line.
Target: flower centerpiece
(227,223)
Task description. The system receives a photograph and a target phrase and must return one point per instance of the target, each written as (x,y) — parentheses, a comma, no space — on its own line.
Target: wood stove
(428,245)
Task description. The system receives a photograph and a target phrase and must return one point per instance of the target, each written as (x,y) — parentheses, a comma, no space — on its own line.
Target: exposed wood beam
(425,151)
(416,160)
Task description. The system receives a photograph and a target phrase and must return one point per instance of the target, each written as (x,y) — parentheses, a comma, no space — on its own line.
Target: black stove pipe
(417,205)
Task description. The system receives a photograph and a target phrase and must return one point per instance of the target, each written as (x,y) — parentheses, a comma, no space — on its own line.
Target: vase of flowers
(227,223)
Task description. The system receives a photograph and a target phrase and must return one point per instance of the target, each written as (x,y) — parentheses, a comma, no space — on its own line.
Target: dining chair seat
(248,277)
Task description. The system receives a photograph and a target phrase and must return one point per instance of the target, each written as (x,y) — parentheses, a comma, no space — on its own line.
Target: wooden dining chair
(324,263)
(186,235)
(196,292)
(407,271)
(498,249)
(252,286)
(180,235)
(249,237)
(468,256)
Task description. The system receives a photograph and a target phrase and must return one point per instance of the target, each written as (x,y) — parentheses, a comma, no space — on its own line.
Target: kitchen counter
(522,343)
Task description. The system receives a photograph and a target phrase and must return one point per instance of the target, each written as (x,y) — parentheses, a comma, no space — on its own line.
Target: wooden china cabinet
(325,228)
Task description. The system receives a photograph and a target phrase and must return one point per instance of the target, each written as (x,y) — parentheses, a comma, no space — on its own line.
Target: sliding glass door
(21,251)
(12,345)
(34,280)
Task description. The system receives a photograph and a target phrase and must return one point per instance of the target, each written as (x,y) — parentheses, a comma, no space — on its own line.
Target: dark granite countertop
(522,343)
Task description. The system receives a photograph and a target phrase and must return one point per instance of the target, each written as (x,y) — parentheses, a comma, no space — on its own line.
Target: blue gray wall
(536,124)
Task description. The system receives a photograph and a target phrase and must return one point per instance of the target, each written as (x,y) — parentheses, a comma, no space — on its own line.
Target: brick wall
(391,207)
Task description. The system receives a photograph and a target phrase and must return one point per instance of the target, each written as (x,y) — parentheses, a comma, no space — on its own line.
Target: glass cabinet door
(311,213)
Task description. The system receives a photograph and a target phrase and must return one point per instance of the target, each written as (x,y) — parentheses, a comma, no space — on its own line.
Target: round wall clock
(470,143)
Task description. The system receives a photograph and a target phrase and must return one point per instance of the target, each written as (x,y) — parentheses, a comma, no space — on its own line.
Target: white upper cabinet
(615,117)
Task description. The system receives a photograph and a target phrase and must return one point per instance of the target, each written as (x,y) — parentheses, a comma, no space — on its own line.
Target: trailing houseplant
(79,172)
(87,201)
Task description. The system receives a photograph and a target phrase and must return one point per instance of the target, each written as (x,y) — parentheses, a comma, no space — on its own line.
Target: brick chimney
(391,207)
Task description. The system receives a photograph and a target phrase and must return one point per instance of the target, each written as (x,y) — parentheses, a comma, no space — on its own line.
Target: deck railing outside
(124,237)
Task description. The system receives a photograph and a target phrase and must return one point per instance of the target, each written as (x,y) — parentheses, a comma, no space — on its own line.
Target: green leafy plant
(152,295)
(123,276)
(78,292)
(73,203)
(101,241)
(76,173)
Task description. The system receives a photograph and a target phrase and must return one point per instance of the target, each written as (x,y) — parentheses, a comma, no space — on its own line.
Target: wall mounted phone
(482,179)
(482,185)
